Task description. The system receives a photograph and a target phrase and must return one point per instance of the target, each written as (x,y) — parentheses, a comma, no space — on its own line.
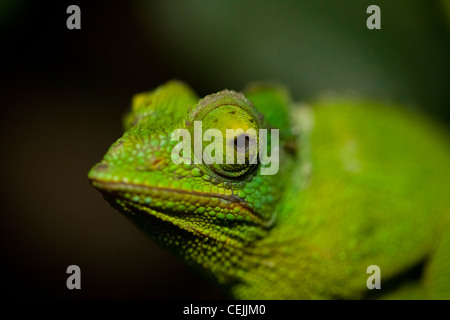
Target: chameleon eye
(235,118)
(240,142)
(240,160)
(241,150)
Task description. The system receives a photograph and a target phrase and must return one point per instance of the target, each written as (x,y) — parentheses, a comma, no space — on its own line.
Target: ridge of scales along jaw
(176,205)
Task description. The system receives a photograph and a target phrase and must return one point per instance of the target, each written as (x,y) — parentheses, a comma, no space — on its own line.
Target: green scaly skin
(359,184)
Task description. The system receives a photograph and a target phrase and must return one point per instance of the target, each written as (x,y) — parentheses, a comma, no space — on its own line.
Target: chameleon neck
(277,255)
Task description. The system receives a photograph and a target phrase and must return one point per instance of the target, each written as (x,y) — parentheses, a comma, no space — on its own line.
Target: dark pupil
(242,145)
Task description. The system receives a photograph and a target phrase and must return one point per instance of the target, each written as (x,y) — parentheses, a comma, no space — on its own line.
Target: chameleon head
(207,213)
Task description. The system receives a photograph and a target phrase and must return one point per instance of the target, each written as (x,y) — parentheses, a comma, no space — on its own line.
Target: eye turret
(230,115)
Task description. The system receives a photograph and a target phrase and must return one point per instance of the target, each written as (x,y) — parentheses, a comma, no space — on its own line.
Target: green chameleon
(359,184)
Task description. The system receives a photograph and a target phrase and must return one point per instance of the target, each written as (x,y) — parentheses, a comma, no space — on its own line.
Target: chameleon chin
(359,184)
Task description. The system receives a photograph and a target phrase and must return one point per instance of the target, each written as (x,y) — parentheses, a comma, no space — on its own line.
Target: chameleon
(360,183)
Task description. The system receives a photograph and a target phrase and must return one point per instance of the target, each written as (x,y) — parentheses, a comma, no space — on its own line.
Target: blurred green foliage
(312,46)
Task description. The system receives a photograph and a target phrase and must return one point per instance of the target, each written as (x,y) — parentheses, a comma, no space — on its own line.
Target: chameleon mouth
(171,202)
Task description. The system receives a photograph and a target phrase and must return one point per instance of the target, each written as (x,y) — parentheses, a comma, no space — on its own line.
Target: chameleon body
(359,184)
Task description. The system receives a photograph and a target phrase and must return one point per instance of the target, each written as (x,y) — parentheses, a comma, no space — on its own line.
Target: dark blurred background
(64,91)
